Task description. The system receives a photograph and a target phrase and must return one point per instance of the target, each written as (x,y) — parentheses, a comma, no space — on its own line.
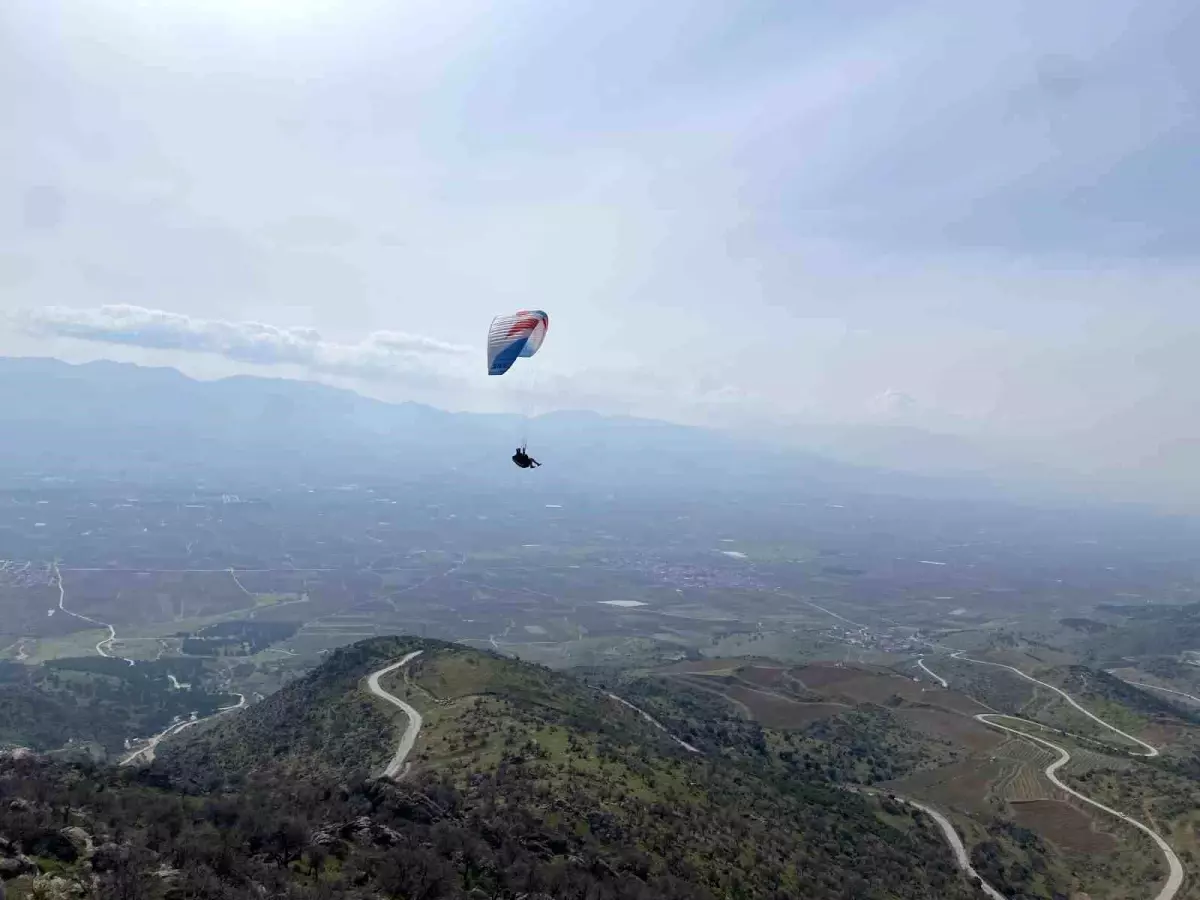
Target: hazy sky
(978,217)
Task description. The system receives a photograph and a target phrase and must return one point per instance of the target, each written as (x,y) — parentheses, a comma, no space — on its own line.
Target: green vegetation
(238,638)
(94,700)
(529,780)
(998,688)
(322,721)
(1147,631)
(862,745)
(1088,626)
(1015,861)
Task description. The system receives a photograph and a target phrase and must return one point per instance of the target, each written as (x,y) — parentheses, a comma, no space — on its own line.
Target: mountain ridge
(122,422)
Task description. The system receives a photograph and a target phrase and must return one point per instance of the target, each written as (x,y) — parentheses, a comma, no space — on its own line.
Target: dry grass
(962,786)
(861,685)
(775,711)
(1025,752)
(1064,824)
(820,676)
(763,676)
(1085,760)
(1028,784)
(961,730)
(703,667)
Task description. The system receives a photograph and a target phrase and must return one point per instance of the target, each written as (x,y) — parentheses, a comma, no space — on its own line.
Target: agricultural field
(794,636)
(990,783)
(1066,825)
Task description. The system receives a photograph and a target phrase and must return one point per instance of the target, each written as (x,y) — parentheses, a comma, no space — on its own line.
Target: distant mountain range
(133,424)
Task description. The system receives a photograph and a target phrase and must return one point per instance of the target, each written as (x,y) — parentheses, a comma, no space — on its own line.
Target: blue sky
(975,218)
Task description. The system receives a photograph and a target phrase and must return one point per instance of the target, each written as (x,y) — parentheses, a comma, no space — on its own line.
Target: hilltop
(322,722)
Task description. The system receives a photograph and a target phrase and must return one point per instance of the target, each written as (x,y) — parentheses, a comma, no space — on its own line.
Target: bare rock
(52,887)
(16,865)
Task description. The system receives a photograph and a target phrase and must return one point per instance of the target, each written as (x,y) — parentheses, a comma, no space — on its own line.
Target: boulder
(52,887)
(323,839)
(80,839)
(55,845)
(16,865)
(365,831)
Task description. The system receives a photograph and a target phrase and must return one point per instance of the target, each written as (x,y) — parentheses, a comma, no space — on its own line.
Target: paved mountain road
(409,738)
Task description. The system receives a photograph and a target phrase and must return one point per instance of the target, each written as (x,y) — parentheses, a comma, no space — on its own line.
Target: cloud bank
(422,367)
(381,354)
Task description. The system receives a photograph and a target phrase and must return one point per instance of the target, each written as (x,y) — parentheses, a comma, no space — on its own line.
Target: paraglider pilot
(524,460)
(513,337)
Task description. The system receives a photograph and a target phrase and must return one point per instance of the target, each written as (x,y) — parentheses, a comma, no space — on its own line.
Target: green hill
(324,722)
(529,781)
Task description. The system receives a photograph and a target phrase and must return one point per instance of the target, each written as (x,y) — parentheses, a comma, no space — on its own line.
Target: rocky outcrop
(15,865)
(80,840)
(52,887)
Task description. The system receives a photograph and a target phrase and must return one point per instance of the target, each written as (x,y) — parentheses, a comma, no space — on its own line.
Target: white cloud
(734,216)
(381,354)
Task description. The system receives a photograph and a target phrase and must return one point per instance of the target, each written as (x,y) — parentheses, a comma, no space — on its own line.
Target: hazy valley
(815,651)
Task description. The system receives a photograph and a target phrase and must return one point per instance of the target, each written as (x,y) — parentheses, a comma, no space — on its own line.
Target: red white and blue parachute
(513,336)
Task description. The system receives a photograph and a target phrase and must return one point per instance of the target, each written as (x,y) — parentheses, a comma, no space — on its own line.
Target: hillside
(95,702)
(322,722)
(1157,631)
(528,780)
(877,728)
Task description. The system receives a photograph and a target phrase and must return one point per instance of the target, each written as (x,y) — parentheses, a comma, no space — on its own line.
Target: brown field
(870,688)
(961,786)
(1025,752)
(1162,734)
(861,685)
(820,676)
(1028,785)
(775,711)
(963,730)
(703,666)
(763,676)
(1062,823)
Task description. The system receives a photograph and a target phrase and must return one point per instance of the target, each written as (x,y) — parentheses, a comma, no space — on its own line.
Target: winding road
(112,632)
(414,718)
(1150,751)
(956,845)
(175,728)
(1175,868)
(1156,687)
(938,678)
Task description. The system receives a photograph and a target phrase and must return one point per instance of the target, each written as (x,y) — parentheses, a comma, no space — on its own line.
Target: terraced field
(1027,784)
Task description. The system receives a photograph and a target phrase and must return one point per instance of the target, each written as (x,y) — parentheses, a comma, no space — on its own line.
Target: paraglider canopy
(514,336)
